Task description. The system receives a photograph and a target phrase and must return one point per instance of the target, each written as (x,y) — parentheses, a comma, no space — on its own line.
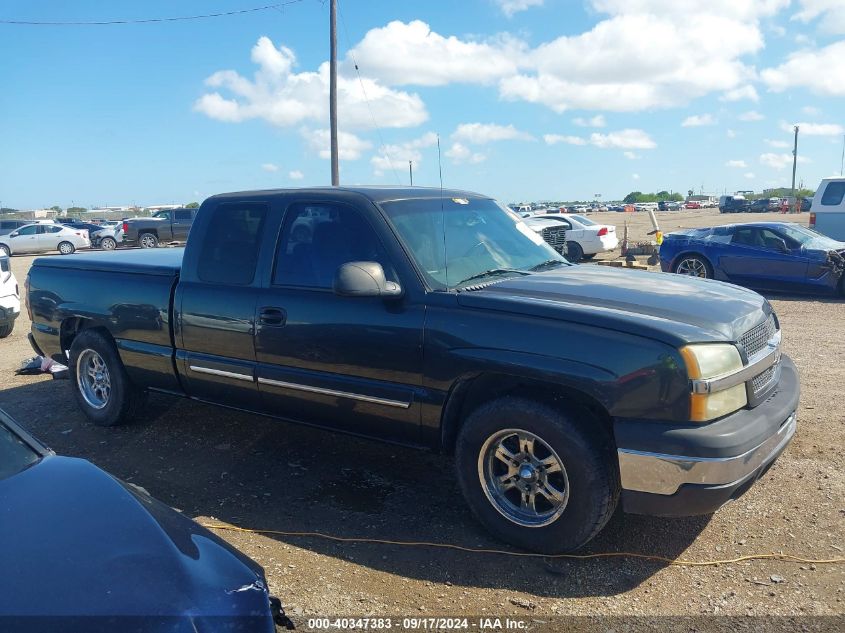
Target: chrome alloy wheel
(693,267)
(92,379)
(66,248)
(523,477)
(148,241)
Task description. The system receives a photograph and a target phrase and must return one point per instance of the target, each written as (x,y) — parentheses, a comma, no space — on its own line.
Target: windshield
(809,238)
(14,454)
(455,241)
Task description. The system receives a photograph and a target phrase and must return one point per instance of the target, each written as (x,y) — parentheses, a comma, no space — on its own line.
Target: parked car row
(576,237)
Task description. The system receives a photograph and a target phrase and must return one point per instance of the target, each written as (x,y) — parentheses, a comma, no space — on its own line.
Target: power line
(366,98)
(183,18)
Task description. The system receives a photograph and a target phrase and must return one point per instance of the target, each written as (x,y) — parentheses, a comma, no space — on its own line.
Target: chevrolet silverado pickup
(170,225)
(438,319)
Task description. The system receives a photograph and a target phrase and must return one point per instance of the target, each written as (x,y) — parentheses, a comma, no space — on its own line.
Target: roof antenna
(442,214)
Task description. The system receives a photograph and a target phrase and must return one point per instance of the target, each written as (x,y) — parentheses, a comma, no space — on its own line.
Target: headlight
(711,361)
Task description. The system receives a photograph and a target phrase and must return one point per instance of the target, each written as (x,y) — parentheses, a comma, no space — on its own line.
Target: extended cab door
(215,304)
(181,224)
(353,363)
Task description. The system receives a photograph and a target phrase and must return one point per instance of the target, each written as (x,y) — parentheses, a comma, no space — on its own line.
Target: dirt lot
(255,472)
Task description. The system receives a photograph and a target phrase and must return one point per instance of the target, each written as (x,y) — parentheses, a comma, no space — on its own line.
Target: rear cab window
(229,252)
(833,194)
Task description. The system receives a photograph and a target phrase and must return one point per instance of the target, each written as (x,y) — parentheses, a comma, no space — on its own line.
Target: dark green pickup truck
(438,319)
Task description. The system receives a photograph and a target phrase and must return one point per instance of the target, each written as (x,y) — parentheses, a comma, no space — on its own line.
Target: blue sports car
(780,256)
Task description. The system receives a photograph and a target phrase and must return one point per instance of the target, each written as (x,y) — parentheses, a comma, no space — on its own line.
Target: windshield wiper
(493,271)
(546,264)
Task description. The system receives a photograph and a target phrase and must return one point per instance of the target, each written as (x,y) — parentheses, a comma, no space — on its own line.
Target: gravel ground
(254,472)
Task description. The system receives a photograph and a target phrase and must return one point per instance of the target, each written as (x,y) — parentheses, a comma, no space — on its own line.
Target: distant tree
(663,194)
(690,192)
(56,208)
(76,210)
(192,205)
(632,197)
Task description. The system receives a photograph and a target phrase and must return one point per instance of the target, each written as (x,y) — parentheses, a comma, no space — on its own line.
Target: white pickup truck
(827,213)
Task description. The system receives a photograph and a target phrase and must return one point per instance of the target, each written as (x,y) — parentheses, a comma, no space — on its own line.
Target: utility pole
(411,171)
(333,90)
(842,164)
(794,167)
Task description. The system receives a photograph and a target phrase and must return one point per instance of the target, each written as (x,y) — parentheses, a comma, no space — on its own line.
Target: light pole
(794,167)
(333,90)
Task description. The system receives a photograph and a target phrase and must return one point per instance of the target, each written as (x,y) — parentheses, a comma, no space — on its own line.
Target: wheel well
(470,393)
(150,231)
(71,327)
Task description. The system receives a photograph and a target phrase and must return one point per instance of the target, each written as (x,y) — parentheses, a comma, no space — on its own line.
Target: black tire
(574,252)
(588,459)
(124,400)
(108,244)
(148,240)
(66,248)
(6,250)
(6,330)
(687,263)
(589,257)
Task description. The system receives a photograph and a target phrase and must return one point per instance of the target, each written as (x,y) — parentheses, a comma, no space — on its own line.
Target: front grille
(555,236)
(755,340)
(760,382)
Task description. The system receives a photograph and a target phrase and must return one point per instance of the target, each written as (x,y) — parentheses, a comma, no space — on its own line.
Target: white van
(827,215)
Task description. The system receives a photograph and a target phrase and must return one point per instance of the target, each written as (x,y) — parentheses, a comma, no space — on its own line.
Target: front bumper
(10,309)
(695,469)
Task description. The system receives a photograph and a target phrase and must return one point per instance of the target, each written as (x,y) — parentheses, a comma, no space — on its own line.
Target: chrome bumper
(662,474)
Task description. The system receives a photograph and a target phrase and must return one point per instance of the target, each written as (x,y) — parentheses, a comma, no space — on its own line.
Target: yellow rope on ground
(477,550)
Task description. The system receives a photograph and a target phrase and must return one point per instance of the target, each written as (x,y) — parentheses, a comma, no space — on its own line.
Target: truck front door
(353,363)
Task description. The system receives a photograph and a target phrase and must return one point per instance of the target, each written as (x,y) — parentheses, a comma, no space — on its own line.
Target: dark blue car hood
(670,308)
(74,541)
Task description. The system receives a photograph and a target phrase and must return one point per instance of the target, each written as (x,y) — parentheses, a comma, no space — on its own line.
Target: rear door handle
(272,316)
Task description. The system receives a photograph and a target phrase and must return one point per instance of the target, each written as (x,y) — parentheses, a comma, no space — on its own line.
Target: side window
(54,229)
(317,238)
(28,230)
(163,215)
(746,237)
(771,240)
(230,250)
(833,194)
(183,214)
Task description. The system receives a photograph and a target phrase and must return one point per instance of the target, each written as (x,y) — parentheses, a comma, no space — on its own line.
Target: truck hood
(76,542)
(670,308)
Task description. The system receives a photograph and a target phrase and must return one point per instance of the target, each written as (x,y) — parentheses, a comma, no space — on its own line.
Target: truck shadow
(255,472)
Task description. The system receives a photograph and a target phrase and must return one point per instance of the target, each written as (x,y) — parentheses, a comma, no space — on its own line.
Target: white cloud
(623,139)
(509,7)
(285,98)
(734,9)
(742,92)
(698,120)
(821,71)
(731,134)
(460,153)
(596,121)
(749,175)
(831,12)
(751,115)
(814,129)
(350,147)
(738,164)
(296,175)
(481,133)
(631,155)
(411,53)
(270,167)
(635,176)
(553,139)
(396,156)
(777,144)
(811,111)
(780,161)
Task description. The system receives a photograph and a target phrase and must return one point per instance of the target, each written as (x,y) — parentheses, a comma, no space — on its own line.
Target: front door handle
(272,316)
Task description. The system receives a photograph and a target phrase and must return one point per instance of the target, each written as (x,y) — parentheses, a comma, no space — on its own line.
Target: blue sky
(532,99)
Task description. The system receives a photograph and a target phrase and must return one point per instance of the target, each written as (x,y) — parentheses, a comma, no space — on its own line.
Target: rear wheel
(574,252)
(535,476)
(6,330)
(148,240)
(108,244)
(101,386)
(694,266)
(66,248)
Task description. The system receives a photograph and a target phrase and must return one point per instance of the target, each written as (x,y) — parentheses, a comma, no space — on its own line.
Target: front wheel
(101,386)
(694,266)
(148,240)
(5,250)
(535,476)
(108,244)
(66,248)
